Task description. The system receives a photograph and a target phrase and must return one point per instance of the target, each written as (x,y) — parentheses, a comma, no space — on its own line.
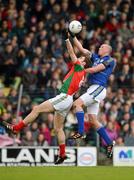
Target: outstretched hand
(71,34)
(67,33)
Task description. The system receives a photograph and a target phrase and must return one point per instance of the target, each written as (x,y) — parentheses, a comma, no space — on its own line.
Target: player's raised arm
(74,28)
(79,46)
(95,69)
(71,51)
(84,51)
(101,66)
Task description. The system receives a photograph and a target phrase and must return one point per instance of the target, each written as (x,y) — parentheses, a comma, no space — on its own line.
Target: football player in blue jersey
(102,67)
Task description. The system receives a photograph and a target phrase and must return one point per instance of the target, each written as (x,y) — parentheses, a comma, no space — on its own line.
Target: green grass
(67,173)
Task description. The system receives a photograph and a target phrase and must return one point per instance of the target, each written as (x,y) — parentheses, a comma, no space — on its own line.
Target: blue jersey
(101,78)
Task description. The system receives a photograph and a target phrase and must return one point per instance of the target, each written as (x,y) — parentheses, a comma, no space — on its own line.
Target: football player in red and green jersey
(60,104)
(73,80)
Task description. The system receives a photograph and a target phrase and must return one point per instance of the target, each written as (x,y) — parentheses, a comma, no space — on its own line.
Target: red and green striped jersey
(73,79)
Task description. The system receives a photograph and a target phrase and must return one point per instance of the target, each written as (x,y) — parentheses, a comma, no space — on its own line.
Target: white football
(75,26)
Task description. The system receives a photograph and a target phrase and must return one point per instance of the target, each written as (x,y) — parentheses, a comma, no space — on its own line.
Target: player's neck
(104,55)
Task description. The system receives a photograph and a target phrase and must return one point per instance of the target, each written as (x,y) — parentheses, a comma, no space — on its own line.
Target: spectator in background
(13,97)
(129,138)
(29,79)
(112,83)
(44,75)
(113,12)
(112,25)
(34,130)
(25,105)
(125,119)
(2,130)
(28,139)
(113,111)
(120,141)
(27,46)
(51,91)
(119,96)
(125,130)
(125,32)
(46,132)
(125,77)
(41,141)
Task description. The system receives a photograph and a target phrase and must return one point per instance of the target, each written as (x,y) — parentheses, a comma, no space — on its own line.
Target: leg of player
(58,126)
(78,105)
(85,100)
(43,107)
(102,132)
(100,129)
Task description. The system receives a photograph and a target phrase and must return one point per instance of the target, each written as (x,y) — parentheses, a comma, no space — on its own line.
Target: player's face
(82,61)
(104,49)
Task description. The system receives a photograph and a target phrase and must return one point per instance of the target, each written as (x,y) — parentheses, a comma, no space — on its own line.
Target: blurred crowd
(33,53)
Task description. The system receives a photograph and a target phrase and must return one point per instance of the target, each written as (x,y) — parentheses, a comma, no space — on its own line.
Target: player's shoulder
(108,61)
(77,62)
(111,60)
(78,66)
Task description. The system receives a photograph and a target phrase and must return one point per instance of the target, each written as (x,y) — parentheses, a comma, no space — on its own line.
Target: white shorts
(92,98)
(62,103)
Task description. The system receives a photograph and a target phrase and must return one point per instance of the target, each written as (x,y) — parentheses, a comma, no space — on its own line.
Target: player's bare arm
(79,46)
(71,51)
(95,69)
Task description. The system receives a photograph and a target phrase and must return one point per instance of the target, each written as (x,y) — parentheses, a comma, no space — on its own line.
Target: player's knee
(36,109)
(74,106)
(92,118)
(77,104)
(57,129)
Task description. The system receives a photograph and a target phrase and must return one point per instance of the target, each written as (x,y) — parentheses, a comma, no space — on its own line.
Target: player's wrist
(71,34)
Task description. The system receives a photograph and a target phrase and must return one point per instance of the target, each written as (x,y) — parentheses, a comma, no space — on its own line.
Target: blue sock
(80,119)
(102,132)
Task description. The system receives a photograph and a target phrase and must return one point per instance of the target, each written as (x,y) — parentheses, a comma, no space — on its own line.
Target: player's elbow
(83,51)
(89,70)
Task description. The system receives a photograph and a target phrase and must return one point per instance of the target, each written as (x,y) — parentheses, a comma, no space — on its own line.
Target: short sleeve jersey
(101,78)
